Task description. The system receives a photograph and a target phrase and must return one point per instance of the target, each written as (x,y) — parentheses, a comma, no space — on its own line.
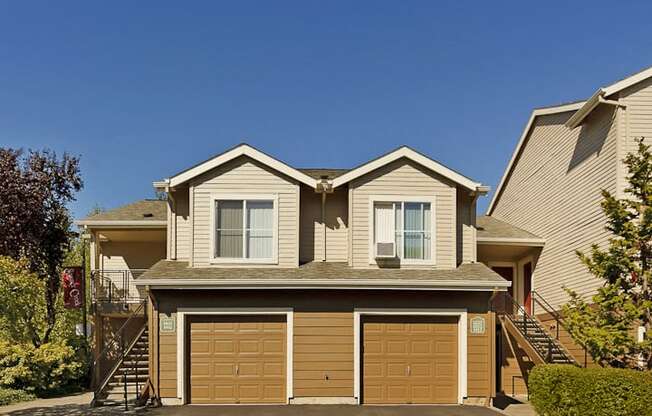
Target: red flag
(73,295)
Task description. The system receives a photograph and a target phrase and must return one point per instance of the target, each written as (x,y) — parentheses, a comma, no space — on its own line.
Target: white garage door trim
(461,333)
(181,340)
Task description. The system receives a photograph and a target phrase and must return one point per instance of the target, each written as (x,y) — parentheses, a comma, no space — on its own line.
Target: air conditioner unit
(385,250)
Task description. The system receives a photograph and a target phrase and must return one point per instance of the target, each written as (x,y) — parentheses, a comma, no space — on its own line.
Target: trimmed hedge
(565,390)
(9,396)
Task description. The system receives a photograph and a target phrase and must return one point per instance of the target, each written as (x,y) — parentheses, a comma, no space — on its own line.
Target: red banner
(73,294)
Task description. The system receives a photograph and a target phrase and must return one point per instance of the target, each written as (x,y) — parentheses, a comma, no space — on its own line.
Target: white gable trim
(538,112)
(241,150)
(414,156)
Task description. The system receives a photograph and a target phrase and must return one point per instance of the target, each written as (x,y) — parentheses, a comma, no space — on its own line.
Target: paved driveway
(330,410)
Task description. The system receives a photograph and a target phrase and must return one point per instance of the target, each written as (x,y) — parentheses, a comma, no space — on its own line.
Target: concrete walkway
(75,405)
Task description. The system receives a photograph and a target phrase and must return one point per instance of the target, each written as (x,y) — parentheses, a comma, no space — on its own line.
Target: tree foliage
(607,325)
(35,189)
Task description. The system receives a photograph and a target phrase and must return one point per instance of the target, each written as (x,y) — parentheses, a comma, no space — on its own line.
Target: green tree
(34,220)
(606,325)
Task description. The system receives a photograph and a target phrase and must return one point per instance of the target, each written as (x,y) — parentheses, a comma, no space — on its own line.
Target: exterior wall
(554,192)
(404,178)
(122,255)
(466,231)
(311,241)
(181,227)
(511,358)
(245,176)
(323,332)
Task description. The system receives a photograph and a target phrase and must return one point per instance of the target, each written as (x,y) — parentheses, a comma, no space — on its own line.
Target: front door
(527,287)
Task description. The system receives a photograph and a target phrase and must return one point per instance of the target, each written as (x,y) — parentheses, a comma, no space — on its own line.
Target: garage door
(237,359)
(409,359)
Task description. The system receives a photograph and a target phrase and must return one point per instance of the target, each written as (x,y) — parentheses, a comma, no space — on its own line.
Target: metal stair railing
(118,340)
(529,327)
(559,319)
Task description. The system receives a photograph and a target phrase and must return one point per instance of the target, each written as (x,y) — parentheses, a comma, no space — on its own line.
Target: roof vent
(148,215)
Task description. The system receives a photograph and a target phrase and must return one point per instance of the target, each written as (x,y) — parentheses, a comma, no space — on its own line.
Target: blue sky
(141,90)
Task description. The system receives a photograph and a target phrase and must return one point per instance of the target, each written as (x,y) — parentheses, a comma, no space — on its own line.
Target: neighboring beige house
(257,282)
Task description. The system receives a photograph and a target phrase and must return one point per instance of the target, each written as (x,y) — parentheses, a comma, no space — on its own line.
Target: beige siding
(323,354)
(122,255)
(404,178)
(554,192)
(245,176)
(466,231)
(182,225)
(312,227)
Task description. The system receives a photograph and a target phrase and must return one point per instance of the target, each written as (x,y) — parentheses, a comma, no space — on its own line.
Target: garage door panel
(245,361)
(409,359)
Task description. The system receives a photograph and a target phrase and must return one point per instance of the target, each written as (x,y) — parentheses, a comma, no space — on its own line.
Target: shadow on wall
(310,211)
(593,135)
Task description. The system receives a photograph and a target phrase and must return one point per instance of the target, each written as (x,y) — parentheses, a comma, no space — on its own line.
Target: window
(244,229)
(405,224)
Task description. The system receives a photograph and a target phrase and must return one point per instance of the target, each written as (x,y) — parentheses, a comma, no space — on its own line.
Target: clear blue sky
(141,90)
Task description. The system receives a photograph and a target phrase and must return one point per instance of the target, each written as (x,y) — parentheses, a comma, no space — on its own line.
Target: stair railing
(559,319)
(522,320)
(118,340)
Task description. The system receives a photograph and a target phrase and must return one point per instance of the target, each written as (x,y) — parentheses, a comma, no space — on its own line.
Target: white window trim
(251,197)
(182,363)
(402,198)
(461,343)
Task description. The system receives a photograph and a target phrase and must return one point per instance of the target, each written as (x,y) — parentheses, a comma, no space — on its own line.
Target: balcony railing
(115,286)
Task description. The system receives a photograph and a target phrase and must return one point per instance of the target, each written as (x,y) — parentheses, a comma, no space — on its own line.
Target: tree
(607,325)
(34,220)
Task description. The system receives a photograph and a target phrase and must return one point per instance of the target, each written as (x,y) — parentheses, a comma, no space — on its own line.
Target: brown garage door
(237,359)
(409,359)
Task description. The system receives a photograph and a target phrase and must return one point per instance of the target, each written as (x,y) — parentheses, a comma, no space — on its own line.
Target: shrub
(49,369)
(9,396)
(564,390)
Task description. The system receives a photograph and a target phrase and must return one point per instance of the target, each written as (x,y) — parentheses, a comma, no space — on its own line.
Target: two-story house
(257,282)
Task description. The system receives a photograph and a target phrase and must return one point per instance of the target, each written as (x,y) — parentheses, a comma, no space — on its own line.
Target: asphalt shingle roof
(491,227)
(319,173)
(144,210)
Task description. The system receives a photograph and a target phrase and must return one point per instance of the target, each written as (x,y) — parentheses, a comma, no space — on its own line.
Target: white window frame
(183,360)
(462,350)
(243,197)
(373,199)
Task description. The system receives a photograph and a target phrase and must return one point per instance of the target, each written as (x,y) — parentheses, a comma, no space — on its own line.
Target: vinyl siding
(404,178)
(123,255)
(554,192)
(466,231)
(182,225)
(323,354)
(245,176)
(312,228)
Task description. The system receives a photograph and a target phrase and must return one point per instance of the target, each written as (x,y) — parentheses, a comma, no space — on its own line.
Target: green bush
(564,390)
(9,396)
(49,369)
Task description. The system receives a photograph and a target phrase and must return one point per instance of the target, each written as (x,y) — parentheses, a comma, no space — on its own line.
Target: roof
(523,139)
(233,153)
(411,154)
(144,212)
(472,276)
(493,230)
(320,173)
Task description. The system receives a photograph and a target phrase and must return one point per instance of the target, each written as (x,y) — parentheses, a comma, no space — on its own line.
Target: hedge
(565,390)
(9,396)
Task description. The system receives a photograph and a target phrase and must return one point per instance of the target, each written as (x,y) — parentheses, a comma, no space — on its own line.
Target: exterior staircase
(130,377)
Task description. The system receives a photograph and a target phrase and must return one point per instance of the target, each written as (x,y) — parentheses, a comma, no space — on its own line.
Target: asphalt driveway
(329,410)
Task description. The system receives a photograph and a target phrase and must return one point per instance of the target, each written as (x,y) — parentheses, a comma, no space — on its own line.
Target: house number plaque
(478,325)
(167,324)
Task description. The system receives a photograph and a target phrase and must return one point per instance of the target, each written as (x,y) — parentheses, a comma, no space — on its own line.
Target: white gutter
(323,283)
(122,223)
(506,241)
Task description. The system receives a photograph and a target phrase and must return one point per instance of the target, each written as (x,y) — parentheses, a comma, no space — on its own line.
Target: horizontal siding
(323,354)
(554,192)
(312,228)
(405,178)
(123,255)
(466,233)
(244,176)
(637,119)
(182,215)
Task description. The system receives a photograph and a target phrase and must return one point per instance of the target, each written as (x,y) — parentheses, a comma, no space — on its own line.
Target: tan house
(257,282)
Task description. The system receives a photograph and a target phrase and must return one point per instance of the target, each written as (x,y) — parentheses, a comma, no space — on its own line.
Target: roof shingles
(490,227)
(143,210)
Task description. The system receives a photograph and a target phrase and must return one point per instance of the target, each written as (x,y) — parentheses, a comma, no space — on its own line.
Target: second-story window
(403,229)
(244,229)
